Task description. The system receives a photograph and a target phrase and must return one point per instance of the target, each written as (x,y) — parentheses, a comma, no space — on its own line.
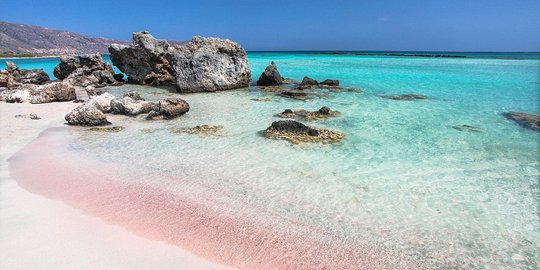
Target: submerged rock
(32,116)
(295,95)
(467,128)
(270,76)
(322,113)
(146,61)
(405,97)
(107,129)
(525,120)
(329,82)
(86,115)
(202,129)
(210,64)
(297,132)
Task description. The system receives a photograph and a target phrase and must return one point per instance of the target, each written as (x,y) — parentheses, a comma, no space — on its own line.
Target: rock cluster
(14,77)
(525,120)
(35,94)
(297,132)
(203,64)
(322,113)
(131,105)
(86,70)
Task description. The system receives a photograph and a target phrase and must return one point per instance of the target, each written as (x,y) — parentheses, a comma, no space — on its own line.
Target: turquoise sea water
(402,179)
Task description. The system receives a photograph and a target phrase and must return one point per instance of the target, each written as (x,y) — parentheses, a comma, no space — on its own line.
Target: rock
(66,67)
(173,107)
(405,97)
(32,116)
(296,132)
(59,91)
(134,95)
(306,83)
(210,64)
(132,107)
(525,120)
(328,82)
(92,91)
(86,115)
(36,94)
(87,70)
(102,102)
(119,77)
(467,128)
(322,113)
(292,94)
(4,78)
(270,76)
(26,76)
(202,129)
(107,129)
(146,61)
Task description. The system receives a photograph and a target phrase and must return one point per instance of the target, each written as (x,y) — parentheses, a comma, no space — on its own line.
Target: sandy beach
(39,233)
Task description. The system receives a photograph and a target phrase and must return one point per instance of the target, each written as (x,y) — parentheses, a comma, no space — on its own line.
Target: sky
(269,25)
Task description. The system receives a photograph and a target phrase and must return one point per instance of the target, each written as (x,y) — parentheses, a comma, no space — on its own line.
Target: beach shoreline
(40,233)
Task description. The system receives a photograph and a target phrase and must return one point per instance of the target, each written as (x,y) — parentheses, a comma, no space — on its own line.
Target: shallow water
(402,180)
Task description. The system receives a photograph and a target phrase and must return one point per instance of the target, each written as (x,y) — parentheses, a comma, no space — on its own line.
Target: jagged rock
(405,97)
(270,76)
(145,61)
(102,102)
(86,115)
(210,64)
(173,107)
(66,67)
(25,76)
(525,120)
(297,132)
(36,94)
(87,70)
(307,82)
(329,82)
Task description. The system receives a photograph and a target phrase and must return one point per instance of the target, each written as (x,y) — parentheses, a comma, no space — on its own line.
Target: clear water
(403,178)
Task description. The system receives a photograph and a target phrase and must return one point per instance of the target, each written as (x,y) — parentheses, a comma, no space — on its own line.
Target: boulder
(173,107)
(270,76)
(102,102)
(66,67)
(36,94)
(525,120)
(291,126)
(86,115)
(146,61)
(59,91)
(307,82)
(210,64)
(134,95)
(132,107)
(328,82)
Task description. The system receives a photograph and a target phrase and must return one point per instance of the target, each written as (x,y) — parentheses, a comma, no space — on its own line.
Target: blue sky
(458,25)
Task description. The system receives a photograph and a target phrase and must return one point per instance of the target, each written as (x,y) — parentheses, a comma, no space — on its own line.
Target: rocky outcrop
(14,77)
(203,64)
(36,94)
(322,113)
(210,64)
(405,97)
(525,120)
(297,132)
(146,61)
(270,76)
(86,115)
(86,70)
(307,82)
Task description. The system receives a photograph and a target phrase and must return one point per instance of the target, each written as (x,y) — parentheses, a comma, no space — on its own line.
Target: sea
(406,186)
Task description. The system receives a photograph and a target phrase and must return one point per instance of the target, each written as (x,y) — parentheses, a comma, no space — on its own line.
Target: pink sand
(208,223)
